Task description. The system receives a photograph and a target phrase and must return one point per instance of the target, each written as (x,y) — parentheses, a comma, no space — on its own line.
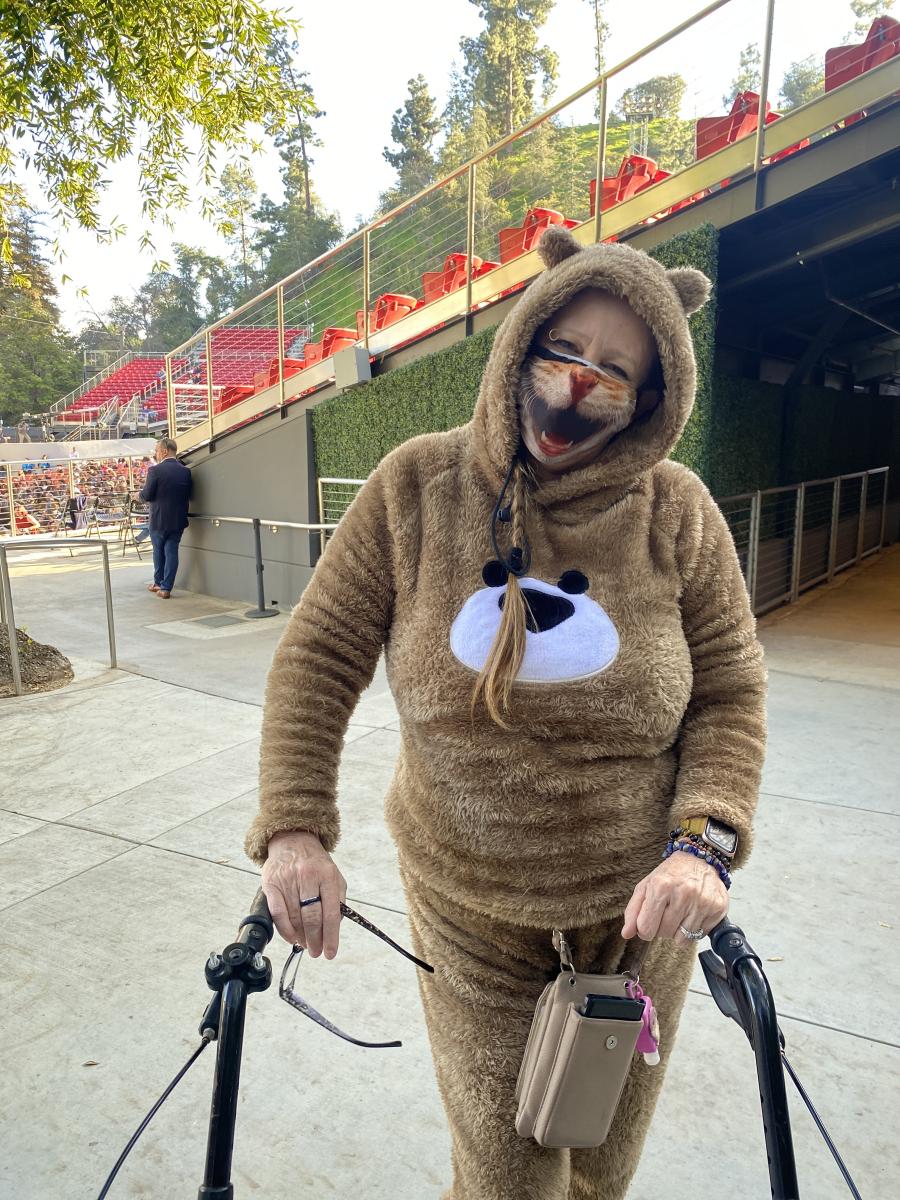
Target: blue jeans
(165,558)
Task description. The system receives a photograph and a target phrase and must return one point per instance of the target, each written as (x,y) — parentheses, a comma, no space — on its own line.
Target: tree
(84,85)
(233,209)
(748,76)
(865,12)
(802,81)
(171,305)
(297,132)
(504,63)
(660,96)
(601,33)
(39,362)
(413,129)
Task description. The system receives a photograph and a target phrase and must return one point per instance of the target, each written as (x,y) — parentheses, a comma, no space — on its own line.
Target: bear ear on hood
(692,286)
(556,244)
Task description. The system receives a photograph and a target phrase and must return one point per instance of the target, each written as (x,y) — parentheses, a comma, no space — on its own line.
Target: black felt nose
(543,611)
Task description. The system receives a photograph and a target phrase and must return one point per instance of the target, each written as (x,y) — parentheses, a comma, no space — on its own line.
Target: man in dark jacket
(168,490)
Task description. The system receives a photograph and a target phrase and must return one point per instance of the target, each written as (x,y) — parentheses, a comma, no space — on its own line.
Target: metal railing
(460,244)
(258,524)
(76,393)
(788,539)
(7,614)
(37,499)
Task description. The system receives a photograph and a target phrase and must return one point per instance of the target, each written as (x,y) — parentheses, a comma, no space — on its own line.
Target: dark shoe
(163,595)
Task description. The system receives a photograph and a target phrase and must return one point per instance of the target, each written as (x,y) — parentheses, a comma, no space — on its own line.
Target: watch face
(722,836)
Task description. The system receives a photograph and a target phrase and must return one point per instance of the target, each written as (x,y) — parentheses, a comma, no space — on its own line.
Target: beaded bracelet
(690,848)
(684,835)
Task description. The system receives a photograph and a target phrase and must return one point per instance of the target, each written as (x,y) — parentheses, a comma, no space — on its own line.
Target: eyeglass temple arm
(360,920)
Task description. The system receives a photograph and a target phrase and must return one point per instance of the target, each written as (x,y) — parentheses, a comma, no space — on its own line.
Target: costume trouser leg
(478,1009)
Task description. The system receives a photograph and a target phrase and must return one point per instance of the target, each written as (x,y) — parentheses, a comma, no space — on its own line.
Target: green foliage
(660,96)
(232,208)
(601,32)
(38,360)
(865,12)
(803,81)
(503,65)
(413,129)
(85,82)
(172,304)
(748,74)
(355,430)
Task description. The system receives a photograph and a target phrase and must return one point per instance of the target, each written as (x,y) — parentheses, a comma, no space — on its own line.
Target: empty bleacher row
(245,359)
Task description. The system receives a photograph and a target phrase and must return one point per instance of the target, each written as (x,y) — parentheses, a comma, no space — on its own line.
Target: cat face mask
(571,407)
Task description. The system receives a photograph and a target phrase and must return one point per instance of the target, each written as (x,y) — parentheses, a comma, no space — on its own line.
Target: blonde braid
(499,672)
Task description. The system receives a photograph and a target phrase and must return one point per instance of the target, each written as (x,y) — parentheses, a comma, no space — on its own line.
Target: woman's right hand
(298,867)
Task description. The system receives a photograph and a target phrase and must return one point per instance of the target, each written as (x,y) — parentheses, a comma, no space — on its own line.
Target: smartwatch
(714,833)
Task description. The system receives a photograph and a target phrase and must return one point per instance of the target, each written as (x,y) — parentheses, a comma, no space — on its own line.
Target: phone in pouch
(614,1008)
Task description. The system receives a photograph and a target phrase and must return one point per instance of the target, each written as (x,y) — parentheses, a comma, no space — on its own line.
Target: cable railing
(788,539)
(620,153)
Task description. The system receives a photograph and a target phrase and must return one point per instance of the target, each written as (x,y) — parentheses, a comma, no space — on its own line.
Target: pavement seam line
(818,1024)
(68,878)
(155,779)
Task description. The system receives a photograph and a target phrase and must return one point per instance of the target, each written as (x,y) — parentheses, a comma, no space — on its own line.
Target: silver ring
(311,900)
(692,937)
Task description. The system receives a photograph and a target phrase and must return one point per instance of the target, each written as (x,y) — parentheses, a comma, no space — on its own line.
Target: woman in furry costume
(570,646)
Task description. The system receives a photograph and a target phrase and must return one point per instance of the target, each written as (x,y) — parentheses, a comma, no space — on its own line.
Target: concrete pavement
(123,803)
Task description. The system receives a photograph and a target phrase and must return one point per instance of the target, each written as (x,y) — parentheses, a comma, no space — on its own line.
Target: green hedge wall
(353,431)
(760,442)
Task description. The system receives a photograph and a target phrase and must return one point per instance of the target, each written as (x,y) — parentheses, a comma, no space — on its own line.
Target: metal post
(279,317)
(884,500)
(835,518)
(753,549)
(170,397)
(861,527)
(260,610)
(12,500)
(321,493)
(600,165)
(798,543)
(367,284)
(470,235)
(10,622)
(130,473)
(759,149)
(110,623)
(209,380)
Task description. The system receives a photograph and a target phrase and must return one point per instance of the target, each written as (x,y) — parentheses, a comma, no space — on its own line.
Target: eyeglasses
(289,976)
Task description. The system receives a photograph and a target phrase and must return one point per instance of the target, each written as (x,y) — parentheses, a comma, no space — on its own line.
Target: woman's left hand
(682,890)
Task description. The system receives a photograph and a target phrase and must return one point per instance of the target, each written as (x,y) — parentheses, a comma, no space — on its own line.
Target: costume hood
(662,298)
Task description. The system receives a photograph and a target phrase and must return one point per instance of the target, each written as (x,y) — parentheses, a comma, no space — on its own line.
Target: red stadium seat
(843,63)
(388,308)
(635,173)
(714,133)
(334,338)
(520,238)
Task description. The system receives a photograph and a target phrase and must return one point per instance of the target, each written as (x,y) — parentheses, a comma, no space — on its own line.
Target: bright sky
(359,66)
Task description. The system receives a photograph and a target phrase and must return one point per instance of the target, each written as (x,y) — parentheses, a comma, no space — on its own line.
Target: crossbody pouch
(574,1067)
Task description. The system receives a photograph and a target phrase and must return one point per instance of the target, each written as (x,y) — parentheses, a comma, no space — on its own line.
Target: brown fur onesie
(644,706)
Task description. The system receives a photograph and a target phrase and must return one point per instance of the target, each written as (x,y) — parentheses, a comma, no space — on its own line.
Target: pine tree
(233,206)
(802,81)
(413,129)
(39,362)
(748,76)
(865,12)
(505,62)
